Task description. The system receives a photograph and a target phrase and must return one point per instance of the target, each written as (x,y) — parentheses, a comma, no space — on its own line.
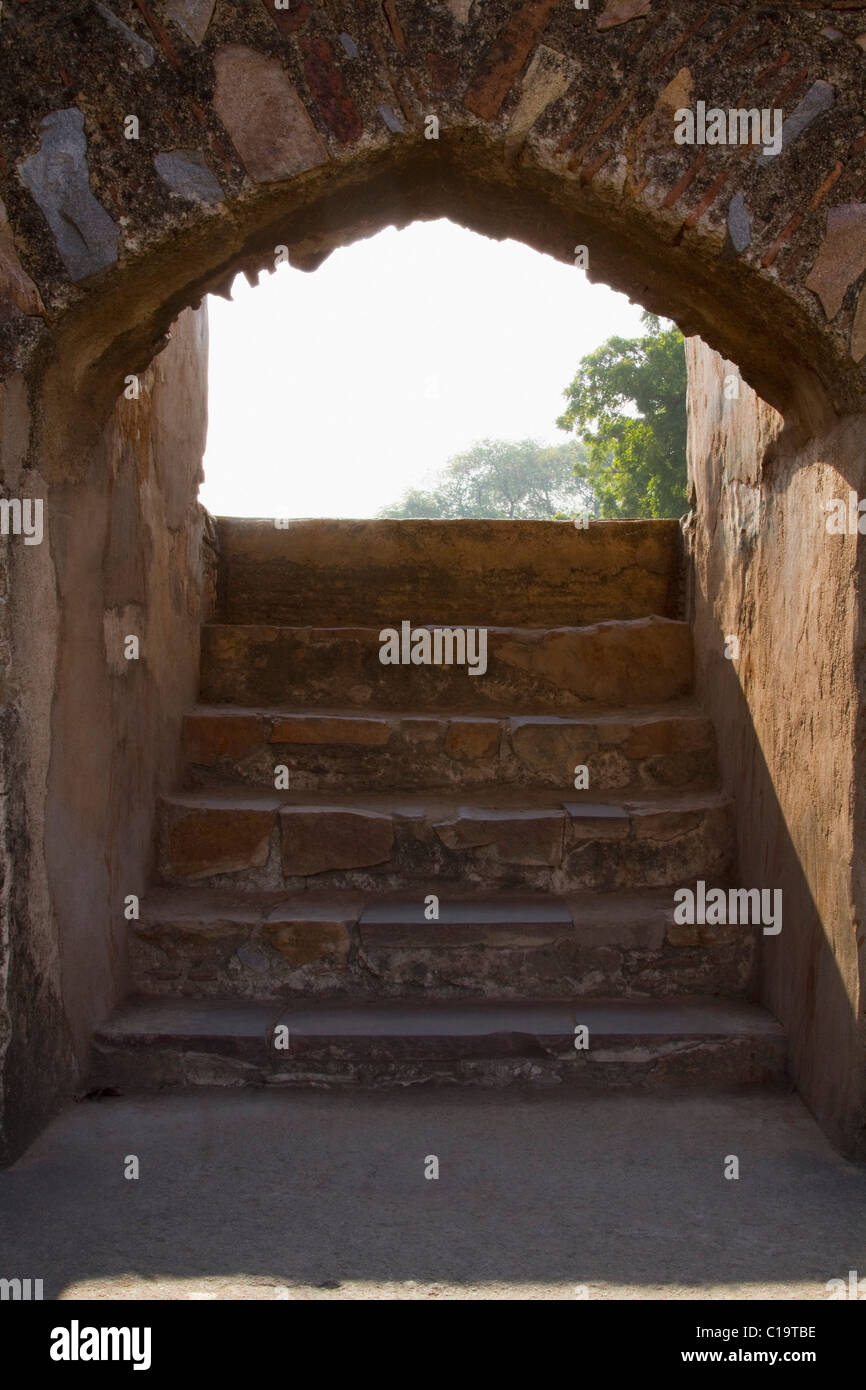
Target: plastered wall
(89,735)
(787,709)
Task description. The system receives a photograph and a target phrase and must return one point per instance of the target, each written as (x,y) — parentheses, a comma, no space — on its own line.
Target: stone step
(645,661)
(508,838)
(345,750)
(380,572)
(215,943)
(721,1043)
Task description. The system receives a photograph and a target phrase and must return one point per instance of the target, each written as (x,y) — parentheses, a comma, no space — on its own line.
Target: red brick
(726,34)
(589,171)
(687,34)
(505,57)
(580,124)
(605,125)
(828,183)
(329,92)
(793,261)
(688,177)
(760,42)
(645,30)
(791,87)
(783,236)
(772,68)
(443,71)
(159,33)
(394,24)
(715,188)
(292,20)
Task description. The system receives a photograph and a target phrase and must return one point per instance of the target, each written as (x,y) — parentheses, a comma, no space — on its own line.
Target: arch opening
(780,351)
(424,369)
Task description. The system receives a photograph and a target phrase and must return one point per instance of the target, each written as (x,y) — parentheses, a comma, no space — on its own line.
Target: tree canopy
(504,479)
(627,406)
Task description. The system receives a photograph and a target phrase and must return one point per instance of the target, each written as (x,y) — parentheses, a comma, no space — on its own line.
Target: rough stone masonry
(151,149)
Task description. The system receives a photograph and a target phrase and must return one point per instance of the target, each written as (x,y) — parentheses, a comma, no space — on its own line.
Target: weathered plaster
(90,737)
(787,711)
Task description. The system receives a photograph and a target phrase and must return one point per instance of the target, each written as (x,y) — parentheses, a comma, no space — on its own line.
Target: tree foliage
(627,406)
(504,479)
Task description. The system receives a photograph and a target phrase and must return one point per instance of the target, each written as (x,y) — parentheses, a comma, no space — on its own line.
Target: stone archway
(306,126)
(152,150)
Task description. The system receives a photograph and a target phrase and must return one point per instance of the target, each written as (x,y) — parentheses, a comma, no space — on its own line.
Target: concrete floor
(313,1195)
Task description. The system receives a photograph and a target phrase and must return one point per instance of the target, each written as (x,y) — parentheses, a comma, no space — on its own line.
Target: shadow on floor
(243,1192)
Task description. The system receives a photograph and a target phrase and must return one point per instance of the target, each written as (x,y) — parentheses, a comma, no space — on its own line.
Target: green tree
(627,405)
(504,479)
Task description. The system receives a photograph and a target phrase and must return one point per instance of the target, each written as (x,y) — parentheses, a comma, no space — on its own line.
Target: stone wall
(90,737)
(788,709)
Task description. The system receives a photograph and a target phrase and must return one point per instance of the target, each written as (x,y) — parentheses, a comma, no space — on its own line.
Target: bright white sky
(332,392)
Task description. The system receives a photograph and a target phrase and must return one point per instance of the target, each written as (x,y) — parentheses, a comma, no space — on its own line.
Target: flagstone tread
(685,709)
(590,911)
(346,749)
(158,1043)
(140,1021)
(530,632)
(470,570)
(511,838)
(432,804)
(640,661)
(323,944)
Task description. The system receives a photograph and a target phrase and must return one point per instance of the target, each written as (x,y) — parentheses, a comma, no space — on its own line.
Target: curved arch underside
(257,127)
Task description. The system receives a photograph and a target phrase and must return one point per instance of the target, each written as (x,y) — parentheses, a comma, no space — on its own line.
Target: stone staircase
(331,803)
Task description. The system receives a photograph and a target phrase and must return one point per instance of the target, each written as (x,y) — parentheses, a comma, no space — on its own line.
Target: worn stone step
(344,749)
(380,572)
(686,1042)
(510,838)
(215,942)
(644,661)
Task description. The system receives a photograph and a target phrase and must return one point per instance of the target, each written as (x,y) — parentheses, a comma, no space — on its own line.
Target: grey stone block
(186,173)
(57,176)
